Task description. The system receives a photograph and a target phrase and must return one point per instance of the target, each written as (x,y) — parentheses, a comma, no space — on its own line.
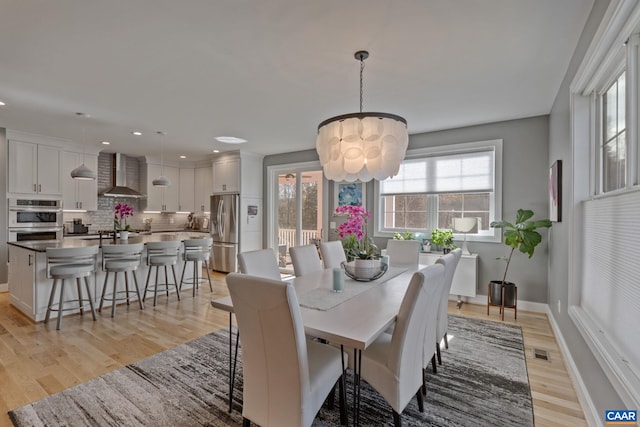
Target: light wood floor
(36,360)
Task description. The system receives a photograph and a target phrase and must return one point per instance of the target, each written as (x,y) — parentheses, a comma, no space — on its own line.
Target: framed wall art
(555,191)
(350,194)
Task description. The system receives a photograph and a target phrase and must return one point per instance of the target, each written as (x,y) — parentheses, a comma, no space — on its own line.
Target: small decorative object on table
(121,212)
(364,270)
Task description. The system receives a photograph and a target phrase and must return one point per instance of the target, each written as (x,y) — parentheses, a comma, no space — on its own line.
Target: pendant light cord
(361,72)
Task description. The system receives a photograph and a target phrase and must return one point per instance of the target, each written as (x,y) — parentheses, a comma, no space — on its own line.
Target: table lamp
(465,225)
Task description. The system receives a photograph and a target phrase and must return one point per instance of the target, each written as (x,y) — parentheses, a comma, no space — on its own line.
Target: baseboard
(4,287)
(536,307)
(591,414)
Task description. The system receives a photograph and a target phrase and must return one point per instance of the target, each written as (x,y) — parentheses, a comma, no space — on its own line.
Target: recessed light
(183,157)
(105,143)
(2,104)
(137,133)
(230,139)
(216,151)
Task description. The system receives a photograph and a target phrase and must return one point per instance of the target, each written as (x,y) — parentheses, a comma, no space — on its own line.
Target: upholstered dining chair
(286,377)
(305,260)
(450,262)
(262,262)
(332,253)
(393,363)
(403,253)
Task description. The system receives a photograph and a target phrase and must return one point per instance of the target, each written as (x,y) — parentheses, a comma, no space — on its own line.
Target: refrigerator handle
(220,225)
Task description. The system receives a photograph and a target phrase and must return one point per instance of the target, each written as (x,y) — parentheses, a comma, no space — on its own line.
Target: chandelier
(362,146)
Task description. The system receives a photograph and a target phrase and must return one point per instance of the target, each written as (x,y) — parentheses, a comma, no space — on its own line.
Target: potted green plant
(521,235)
(443,238)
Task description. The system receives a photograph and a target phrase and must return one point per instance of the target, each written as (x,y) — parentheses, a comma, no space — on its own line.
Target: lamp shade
(161,181)
(83,173)
(362,146)
(465,225)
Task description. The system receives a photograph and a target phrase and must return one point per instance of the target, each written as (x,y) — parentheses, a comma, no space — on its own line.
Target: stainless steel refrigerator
(225,216)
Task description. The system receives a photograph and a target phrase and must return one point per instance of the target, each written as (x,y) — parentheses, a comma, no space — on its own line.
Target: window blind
(610,291)
(450,173)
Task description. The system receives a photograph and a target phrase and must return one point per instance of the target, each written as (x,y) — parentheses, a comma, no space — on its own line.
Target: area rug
(482,382)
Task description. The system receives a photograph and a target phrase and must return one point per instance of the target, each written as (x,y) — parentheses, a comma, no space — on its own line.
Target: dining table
(353,318)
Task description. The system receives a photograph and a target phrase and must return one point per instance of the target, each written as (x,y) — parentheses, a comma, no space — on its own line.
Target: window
(614,137)
(435,185)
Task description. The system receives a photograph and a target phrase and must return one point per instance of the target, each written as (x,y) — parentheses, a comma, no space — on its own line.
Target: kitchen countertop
(93,240)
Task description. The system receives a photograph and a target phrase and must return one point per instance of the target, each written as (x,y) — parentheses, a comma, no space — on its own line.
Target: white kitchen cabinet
(465,279)
(76,193)
(226,174)
(203,188)
(29,286)
(162,199)
(34,168)
(186,191)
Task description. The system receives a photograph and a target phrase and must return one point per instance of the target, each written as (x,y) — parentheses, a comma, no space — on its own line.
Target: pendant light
(161,181)
(362,146)
(82,172)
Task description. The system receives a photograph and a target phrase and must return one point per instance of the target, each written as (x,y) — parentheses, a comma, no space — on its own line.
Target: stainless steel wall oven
(35,219)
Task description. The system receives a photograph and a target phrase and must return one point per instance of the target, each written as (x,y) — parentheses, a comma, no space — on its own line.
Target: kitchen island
(29,286)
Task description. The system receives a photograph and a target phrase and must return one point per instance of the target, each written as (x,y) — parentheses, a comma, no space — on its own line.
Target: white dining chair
(286,377)
(403,253)
(450,262)
(392,364)
(332,253)
(305,260)
(262,262)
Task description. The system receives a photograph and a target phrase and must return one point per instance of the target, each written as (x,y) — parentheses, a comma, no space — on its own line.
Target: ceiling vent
(119,180)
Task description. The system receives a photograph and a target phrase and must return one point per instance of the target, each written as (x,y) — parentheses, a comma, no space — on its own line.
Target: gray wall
(4,253)
(602,393)
(525,183)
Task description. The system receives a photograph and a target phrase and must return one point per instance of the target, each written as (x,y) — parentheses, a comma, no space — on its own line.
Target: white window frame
(272,197)
(495,204)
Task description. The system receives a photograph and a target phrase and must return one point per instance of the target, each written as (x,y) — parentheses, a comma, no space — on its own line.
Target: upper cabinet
(226,174)
(162,199)
(186,190)
(203,188)
(34,169)
(78,194)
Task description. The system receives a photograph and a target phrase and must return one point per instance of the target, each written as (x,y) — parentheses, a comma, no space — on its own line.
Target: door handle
(39,188)
(30,259)
(35,189)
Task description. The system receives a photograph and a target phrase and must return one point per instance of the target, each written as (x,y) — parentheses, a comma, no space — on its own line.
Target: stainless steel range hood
(119,179)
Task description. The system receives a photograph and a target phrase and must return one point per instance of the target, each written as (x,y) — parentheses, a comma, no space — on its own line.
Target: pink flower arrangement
(353,233)
(121,212)
(355,223)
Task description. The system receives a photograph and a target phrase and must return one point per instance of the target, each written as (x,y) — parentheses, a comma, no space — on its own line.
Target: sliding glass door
(296,214)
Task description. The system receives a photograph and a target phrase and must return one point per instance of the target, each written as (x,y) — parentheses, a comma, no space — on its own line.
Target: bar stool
(162,254)
(70,263)
(120,259)
(196,250)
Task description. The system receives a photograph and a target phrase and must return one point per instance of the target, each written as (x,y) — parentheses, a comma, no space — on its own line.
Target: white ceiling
(270,71)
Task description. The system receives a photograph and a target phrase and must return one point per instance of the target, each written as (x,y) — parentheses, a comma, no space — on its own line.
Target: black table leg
(357,368)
